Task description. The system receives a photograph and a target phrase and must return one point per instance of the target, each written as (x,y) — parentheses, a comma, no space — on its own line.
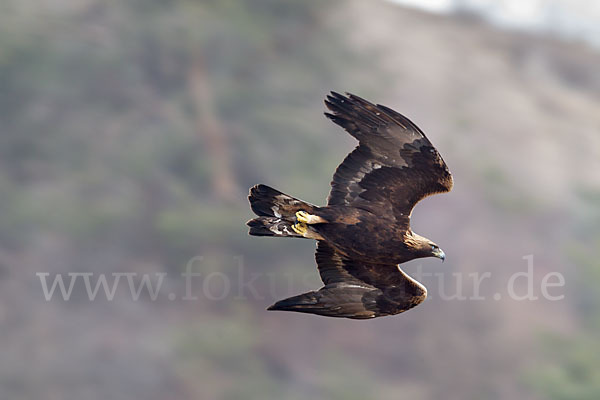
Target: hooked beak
(439,253)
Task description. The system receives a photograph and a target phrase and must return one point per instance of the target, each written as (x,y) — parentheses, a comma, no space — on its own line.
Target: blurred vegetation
(101,109)
(572,362)
(133,129)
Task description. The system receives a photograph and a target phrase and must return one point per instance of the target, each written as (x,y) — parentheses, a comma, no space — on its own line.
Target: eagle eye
(433,247)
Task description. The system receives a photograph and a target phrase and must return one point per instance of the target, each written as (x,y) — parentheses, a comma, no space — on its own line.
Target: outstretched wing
(355,289)
(393,167)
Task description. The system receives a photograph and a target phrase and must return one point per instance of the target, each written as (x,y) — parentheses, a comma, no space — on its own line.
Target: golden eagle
(364,231)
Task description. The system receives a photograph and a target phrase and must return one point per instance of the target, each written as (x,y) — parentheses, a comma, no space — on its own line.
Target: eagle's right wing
(355,289)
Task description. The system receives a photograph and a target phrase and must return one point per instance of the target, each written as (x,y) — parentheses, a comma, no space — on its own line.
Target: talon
(306,218)
(303,216)
(300,228)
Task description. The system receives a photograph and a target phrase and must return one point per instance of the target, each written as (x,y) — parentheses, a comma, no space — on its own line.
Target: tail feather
(276,211)
(268,202)
(271,226)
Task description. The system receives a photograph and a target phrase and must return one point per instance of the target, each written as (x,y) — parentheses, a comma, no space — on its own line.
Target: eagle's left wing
(355,289)
(393,167)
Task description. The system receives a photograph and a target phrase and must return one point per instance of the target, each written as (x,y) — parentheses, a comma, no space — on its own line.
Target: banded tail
(276,212)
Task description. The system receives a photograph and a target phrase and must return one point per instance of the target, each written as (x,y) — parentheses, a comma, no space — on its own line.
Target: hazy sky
(569,19)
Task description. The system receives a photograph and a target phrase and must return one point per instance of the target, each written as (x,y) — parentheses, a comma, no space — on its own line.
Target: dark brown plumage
(364,231)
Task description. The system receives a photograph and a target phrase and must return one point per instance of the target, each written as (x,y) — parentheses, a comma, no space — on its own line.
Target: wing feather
(394,166)
(355,289)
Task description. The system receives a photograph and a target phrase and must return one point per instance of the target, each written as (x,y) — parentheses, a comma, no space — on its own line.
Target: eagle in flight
(363,233)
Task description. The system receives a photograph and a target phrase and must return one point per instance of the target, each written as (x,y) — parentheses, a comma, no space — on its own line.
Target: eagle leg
(300,228)
(306,218)
(305,231)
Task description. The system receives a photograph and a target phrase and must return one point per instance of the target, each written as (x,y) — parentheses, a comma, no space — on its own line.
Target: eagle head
(436,251)
(423,247)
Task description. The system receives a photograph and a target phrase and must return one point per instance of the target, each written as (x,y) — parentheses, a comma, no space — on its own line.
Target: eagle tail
(271,226)
(268,202)
(276,212)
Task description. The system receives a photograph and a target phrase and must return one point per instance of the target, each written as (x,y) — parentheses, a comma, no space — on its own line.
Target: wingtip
(278,306)
(334,97)
(361,101)
(335,102)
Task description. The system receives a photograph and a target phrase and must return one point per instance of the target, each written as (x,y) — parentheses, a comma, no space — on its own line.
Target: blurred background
(132,130)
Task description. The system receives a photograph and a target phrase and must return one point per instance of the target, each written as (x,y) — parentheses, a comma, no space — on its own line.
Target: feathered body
(363,232)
